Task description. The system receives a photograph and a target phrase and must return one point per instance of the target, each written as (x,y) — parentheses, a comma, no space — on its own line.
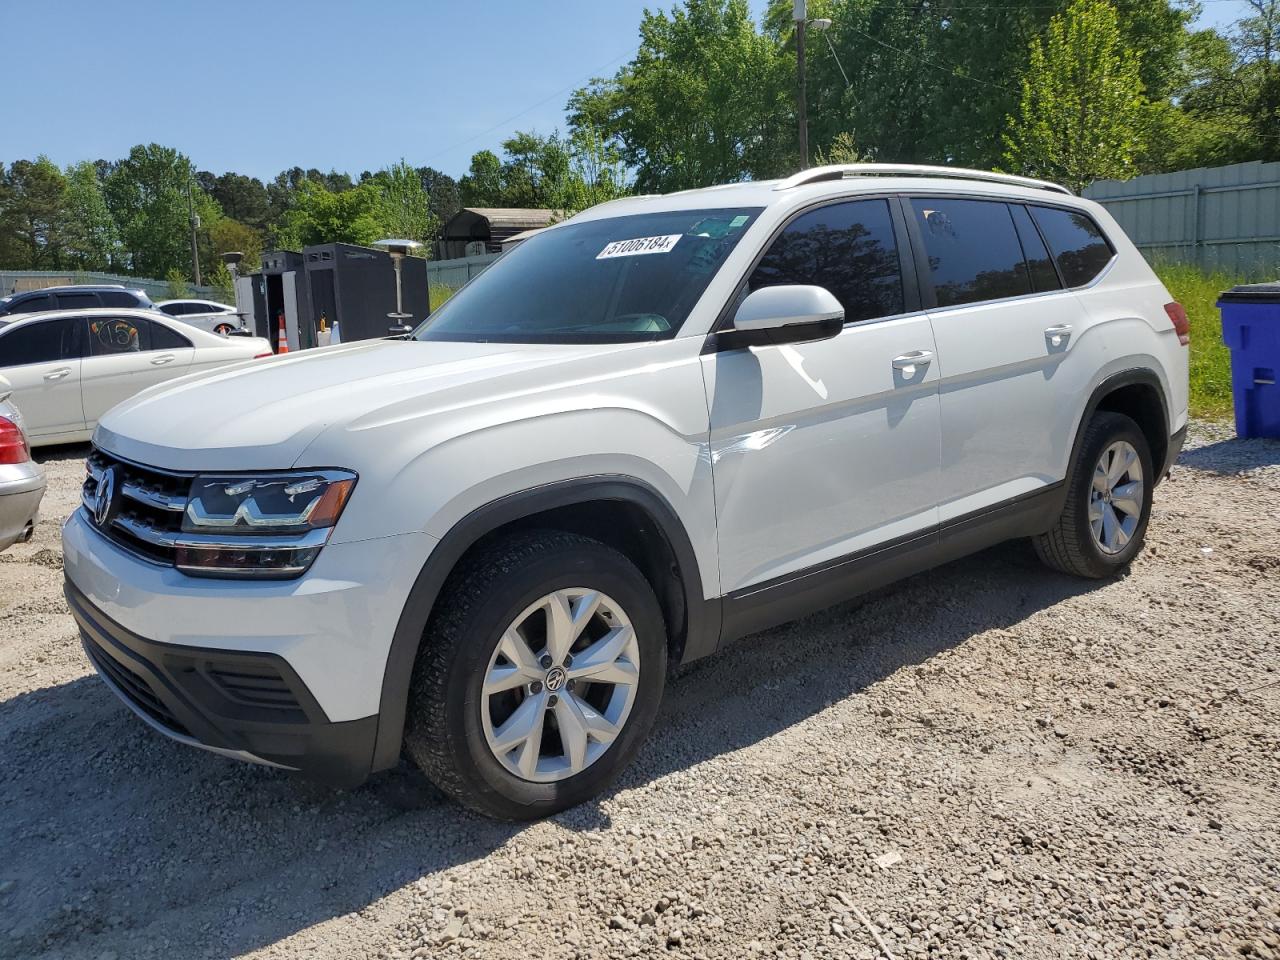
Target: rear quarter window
(1079,246)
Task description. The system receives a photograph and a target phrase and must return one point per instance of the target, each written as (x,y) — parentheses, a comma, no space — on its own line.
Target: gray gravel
(988,761)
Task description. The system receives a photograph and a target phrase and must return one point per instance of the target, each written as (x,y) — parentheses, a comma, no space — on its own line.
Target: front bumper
(21,490)
(248,706)
(209,654)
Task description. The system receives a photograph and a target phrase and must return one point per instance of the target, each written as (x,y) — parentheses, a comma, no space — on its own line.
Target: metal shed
(476,230)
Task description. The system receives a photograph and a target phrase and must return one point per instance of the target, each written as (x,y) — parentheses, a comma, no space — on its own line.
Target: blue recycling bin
(1251,330)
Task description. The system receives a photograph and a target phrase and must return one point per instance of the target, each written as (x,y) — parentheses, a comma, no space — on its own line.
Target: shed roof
(465,224)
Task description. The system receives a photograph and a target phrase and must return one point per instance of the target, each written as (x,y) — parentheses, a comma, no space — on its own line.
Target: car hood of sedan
(264,414)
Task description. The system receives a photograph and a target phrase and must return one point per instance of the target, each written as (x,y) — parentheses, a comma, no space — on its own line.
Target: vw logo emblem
(104,497)
(556,678)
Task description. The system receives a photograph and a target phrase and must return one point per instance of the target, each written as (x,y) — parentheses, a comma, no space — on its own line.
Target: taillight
(13,443)
(1181,324)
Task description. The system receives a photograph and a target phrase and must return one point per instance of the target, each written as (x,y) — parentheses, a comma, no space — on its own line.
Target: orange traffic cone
(282,344)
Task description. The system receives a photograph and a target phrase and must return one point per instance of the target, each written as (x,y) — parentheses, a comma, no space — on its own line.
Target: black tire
(444,734)
(1069,545)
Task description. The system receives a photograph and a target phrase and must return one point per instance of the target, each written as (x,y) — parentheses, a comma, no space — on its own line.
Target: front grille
(151,505)
(134,687)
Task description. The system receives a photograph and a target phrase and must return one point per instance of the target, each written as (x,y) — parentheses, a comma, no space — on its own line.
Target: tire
(451,720)
(1071,545)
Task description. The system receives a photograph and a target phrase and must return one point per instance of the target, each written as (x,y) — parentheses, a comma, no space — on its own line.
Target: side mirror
(793,313)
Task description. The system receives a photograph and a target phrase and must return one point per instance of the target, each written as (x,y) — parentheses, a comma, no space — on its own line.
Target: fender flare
(1135,376)
(702,617)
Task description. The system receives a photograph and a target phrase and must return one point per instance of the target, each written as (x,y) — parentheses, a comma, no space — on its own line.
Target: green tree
(405,207)
(318,215)
(147,196)
(482,186)
(707,99)
(33,215)
(241,198)
(90,231)
(227,235)
(1082,105)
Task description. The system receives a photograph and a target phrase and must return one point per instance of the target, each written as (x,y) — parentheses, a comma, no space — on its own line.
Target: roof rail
(850,170)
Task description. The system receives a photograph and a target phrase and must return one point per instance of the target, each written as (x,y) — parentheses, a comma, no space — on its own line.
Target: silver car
(21,479)
(208,315)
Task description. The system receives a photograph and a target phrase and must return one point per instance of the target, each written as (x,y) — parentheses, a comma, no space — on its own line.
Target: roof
(463,224)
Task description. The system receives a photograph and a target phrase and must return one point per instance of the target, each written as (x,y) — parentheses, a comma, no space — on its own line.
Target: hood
(263,415)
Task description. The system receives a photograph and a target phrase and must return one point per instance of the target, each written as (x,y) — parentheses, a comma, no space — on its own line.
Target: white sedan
(69,367)
(205,314)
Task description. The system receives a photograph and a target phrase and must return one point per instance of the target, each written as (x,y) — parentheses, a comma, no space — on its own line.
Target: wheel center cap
(556,678)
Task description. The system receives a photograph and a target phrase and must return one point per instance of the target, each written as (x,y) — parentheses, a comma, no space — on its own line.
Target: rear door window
(1044,276)
(973,248)
(109,336)
(77,301)
(848,248)
(1078,244)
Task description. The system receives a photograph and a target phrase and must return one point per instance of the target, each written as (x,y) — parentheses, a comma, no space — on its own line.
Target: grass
(438,293)
(1194,289)
(1210,360)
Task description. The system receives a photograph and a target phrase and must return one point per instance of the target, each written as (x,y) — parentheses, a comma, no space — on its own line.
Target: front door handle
(58,374)
(908,362)
(163,359)
(1058,335)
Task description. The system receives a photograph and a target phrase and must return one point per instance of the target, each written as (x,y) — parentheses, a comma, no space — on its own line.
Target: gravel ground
(990,760)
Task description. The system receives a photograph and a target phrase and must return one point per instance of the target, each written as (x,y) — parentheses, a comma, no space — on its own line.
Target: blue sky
(333,84)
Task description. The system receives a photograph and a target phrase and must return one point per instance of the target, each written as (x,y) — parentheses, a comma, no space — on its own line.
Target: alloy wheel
(560,685)
(1116,497)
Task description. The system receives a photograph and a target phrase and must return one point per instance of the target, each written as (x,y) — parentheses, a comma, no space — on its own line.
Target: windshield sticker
(639,246)
(737,222)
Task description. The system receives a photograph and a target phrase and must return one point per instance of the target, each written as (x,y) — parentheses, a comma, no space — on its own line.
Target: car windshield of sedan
(619,280)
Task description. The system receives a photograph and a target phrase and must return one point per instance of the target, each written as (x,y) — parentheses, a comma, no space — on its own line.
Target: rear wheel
(1104,521)
(539,678)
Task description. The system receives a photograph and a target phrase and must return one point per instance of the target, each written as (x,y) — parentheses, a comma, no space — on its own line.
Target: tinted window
(599,281)
(111,335)
(849,248)
(77,301)
(33,304)
(43,342)
(1076,241)
(973,249)
(1043,275)
(120,298)
(162,338)
(173,309)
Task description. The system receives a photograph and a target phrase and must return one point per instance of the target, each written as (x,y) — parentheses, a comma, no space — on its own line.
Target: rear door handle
(163,359)
(908,362)
(1058,335)
(58,374)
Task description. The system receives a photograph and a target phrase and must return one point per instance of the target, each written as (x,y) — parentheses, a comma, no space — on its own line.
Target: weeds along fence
(1219,219)
(18,281)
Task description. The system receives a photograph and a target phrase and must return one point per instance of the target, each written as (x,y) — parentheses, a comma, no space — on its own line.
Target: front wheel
(1104,521)
(539,678)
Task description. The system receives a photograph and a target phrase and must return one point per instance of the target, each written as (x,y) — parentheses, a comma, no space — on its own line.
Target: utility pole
(801,15)
(194,221)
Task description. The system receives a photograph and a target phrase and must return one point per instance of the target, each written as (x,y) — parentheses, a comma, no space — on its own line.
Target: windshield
(619,280)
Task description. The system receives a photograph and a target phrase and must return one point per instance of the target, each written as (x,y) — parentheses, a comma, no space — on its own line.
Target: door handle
(163,359)
(908,362)
(58,374)
(1058,335)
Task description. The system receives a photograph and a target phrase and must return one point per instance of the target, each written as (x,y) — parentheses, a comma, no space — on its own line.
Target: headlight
(260,525)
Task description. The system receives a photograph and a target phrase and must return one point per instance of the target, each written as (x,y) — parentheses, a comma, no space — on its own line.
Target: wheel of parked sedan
(539,677)
(1108,505)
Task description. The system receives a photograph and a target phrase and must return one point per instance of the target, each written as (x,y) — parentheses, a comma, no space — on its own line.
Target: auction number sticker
(640,246)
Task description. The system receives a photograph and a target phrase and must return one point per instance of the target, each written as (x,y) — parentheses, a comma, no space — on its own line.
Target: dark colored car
(75,297)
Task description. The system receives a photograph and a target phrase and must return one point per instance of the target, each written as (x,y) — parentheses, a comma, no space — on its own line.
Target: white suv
(657,427)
